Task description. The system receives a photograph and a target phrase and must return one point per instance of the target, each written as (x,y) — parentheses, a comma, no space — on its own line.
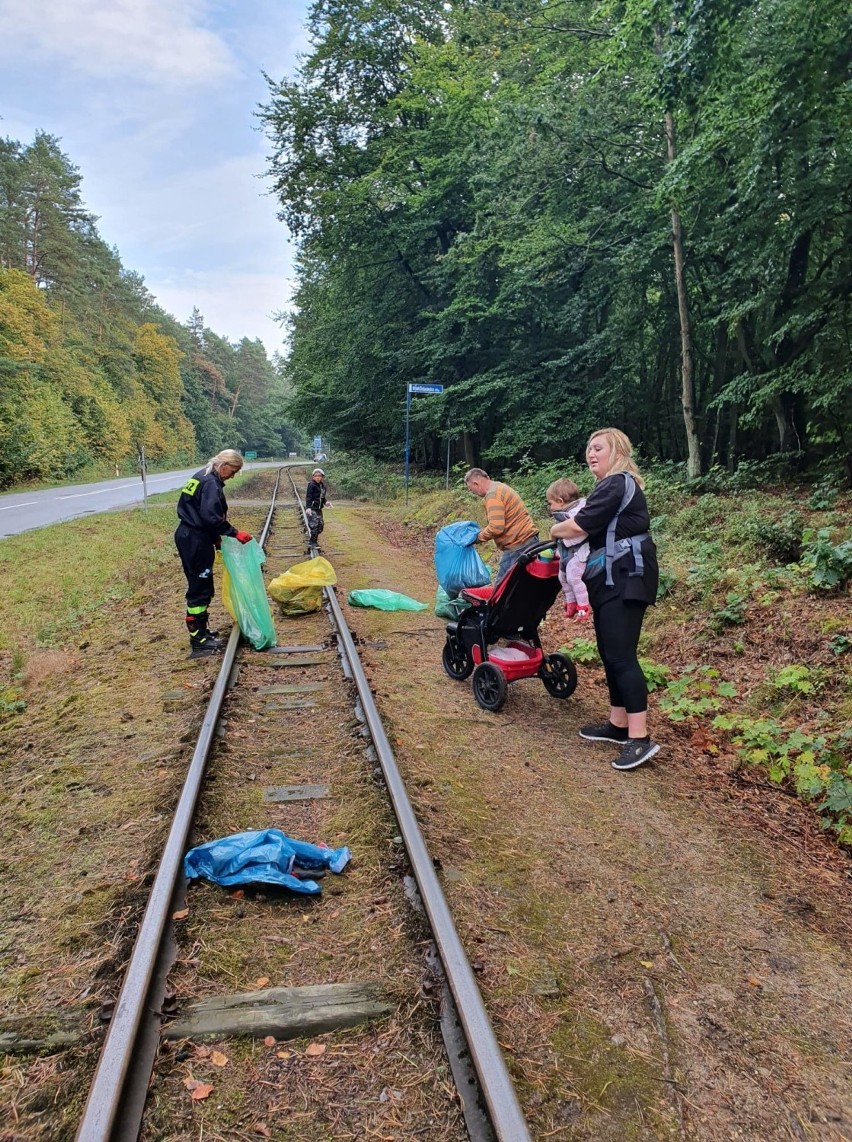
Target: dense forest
(571,214)
(91,369)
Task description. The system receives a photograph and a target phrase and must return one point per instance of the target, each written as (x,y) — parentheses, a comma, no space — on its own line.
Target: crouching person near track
(509,524)
(203,513)
(621,577)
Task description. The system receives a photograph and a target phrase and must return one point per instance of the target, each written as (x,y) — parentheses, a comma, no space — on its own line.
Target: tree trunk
(732,438)
(782,410)
(720,368)
(469,447)
(687,390)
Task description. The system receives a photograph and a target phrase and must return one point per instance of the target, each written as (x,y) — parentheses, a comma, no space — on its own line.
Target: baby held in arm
(564,501)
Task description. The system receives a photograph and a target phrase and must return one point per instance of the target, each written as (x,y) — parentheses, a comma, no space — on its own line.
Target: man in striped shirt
(509,524)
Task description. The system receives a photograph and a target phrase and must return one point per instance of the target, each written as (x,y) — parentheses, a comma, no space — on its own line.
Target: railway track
(299,731)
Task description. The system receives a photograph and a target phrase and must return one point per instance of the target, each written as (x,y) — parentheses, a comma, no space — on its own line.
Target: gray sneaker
(604,732)
(635,753)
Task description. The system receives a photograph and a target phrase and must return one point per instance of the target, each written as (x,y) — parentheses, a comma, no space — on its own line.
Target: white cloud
(154,101)
(162,41)
(234,305)
(220,206)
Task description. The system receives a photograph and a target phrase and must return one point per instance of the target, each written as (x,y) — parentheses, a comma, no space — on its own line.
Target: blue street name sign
(425,388)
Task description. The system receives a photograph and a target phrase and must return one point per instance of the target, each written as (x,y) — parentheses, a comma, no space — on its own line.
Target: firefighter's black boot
(202,641)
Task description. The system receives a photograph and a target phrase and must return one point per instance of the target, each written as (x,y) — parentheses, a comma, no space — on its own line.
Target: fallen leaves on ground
(198,1090)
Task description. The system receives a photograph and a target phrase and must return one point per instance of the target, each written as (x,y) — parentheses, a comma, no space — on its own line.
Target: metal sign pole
(449,438)
(407,437)
(142,469)
(414,389)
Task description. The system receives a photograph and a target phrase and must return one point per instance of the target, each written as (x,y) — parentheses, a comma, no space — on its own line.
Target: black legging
(617,627)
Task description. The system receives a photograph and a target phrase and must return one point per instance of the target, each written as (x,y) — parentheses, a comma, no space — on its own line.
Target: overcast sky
(153,101)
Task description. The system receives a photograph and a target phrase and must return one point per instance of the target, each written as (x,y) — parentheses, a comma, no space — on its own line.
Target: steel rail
(505,1112)
(105,1095)
(104,1100)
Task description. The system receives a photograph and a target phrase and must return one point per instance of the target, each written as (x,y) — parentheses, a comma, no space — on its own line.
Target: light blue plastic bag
(384,600)
(264,856)
(457,562)
(247,591)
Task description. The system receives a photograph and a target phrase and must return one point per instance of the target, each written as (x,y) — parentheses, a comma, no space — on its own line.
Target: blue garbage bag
(457,562)
(264,856)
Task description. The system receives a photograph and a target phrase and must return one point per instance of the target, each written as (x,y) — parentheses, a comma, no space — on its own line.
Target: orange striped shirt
(509,522)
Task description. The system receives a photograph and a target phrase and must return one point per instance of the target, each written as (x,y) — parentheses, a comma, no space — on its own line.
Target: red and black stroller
(513,611)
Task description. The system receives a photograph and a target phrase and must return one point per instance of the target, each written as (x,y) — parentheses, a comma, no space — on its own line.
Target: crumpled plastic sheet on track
(264,856)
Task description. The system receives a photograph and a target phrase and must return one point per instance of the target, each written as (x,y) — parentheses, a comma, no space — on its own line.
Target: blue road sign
(317,443)
(425,388)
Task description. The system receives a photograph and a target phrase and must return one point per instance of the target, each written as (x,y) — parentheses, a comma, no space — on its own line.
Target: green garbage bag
(385,601)
(246,593)
(447,608)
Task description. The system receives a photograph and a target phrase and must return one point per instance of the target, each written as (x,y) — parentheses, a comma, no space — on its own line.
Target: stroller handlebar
(536,550)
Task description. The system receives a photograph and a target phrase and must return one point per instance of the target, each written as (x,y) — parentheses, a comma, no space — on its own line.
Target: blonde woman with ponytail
(203,514)
(621,577)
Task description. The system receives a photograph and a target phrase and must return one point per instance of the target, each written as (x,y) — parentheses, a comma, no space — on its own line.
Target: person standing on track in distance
(203,513)
(315,500)
(509,524)
(621,577)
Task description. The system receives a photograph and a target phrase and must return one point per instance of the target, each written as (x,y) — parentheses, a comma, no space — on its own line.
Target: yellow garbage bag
(298,590)
(301,601)
(227,601)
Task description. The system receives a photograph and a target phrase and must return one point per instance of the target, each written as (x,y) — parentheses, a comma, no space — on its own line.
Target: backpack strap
(629,492)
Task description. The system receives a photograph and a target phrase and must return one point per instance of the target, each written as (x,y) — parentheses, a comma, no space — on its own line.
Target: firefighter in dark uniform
(315,500)
(203,513)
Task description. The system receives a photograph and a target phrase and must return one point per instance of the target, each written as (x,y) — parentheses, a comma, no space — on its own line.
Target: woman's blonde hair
(620,451)
(227,456)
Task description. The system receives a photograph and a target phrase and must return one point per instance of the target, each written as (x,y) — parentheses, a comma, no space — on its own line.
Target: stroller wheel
(559,675)
(456,659)
(490,687)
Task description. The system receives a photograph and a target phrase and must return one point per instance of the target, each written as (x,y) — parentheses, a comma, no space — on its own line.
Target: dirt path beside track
(660,960)
(640,942)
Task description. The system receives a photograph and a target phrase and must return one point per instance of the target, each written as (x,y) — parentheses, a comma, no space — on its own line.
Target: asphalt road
(23,511)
